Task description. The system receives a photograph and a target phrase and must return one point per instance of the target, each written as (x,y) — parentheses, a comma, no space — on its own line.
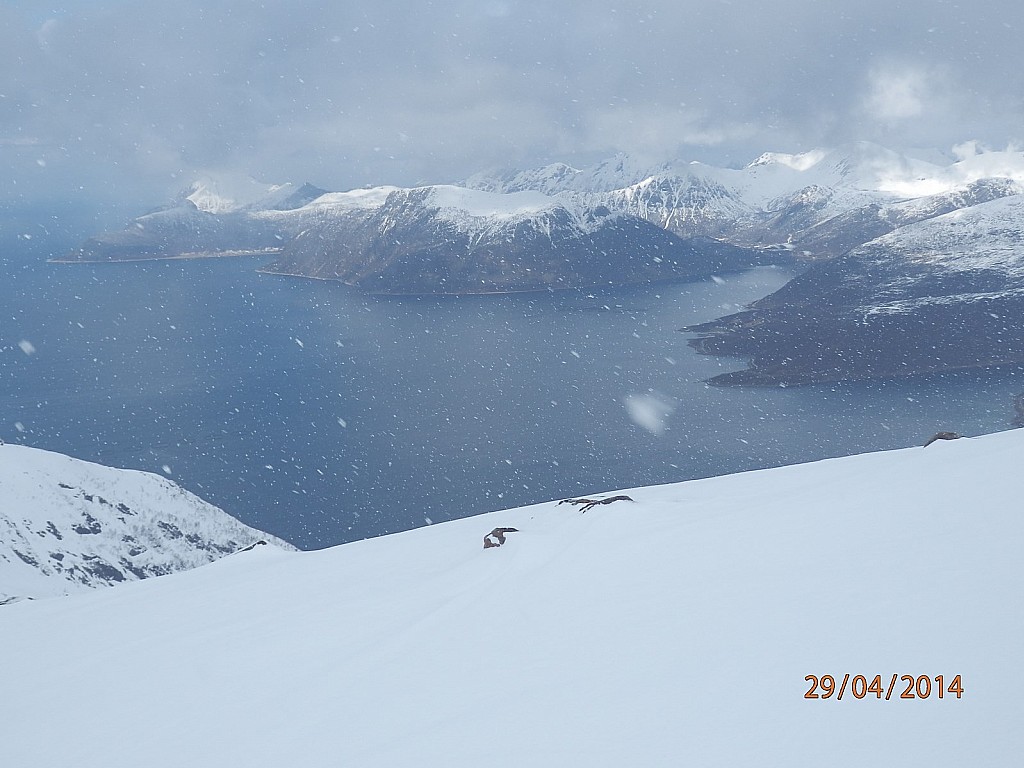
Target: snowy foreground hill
(68,525)
(675,630)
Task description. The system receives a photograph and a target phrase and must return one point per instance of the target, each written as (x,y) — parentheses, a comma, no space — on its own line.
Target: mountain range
(67,526)
(447,239)
(864,608)
(897,249)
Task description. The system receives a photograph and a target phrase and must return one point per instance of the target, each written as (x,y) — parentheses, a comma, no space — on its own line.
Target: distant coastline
(175,257)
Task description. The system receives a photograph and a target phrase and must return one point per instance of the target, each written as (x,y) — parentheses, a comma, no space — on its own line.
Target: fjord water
(324,415)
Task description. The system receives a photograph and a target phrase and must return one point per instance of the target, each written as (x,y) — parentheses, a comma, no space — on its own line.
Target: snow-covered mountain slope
(677,629)
(448,239)
(988,236)
(687,204)
(944,293)
(185,231)
(856,226)
(218,216)
(67,525)
(549,179)
(230,193)
(822,201)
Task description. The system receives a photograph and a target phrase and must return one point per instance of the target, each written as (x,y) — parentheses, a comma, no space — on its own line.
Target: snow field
(676,630)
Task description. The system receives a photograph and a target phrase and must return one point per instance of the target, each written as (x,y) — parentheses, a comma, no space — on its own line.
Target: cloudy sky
(108,98)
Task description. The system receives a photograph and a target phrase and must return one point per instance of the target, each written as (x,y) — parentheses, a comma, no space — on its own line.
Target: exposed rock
(497,537)
(942,436)
(586,504)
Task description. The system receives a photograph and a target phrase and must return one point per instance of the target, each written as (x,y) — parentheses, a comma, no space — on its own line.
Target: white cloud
(897,93)
(966,150)
(350,94)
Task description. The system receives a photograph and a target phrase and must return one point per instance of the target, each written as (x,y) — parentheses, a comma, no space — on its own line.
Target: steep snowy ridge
(798,162)
(472,210)
(68,525)
(685,627)
(549,179)
(771,200)
(339,202)
(689,206)
(838,233)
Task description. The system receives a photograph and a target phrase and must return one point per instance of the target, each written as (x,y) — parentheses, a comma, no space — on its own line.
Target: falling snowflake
(650,411)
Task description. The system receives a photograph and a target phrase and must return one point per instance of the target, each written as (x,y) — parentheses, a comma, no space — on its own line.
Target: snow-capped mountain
(185,231)
(688,204)
(821,202)
(435,239)
(620,221)
(549,179)
(941,293)
(739,620)
(447,239)
(67,525)
(228,193)
(215,217)
(843,231)
(777,198)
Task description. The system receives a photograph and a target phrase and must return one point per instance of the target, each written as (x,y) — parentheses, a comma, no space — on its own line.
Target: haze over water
(323,415)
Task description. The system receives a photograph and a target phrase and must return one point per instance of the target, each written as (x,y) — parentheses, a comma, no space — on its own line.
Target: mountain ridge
(68,525)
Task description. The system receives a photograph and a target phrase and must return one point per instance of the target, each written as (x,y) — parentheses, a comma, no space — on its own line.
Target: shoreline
(547,289)
(191,256)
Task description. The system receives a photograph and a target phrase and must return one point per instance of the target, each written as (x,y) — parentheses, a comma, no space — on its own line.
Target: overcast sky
(106,98)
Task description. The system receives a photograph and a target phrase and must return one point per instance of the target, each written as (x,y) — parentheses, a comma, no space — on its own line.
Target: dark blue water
(323,415)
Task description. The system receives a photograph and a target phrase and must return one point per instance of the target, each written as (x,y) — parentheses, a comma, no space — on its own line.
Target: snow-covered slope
(450,239)
(778,197)
(987,236)
(231,193)
(838,233)
(679,629)
(938,294)
(823,202)
(67,525)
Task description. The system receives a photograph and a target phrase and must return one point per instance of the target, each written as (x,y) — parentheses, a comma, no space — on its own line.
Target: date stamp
(861,686)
